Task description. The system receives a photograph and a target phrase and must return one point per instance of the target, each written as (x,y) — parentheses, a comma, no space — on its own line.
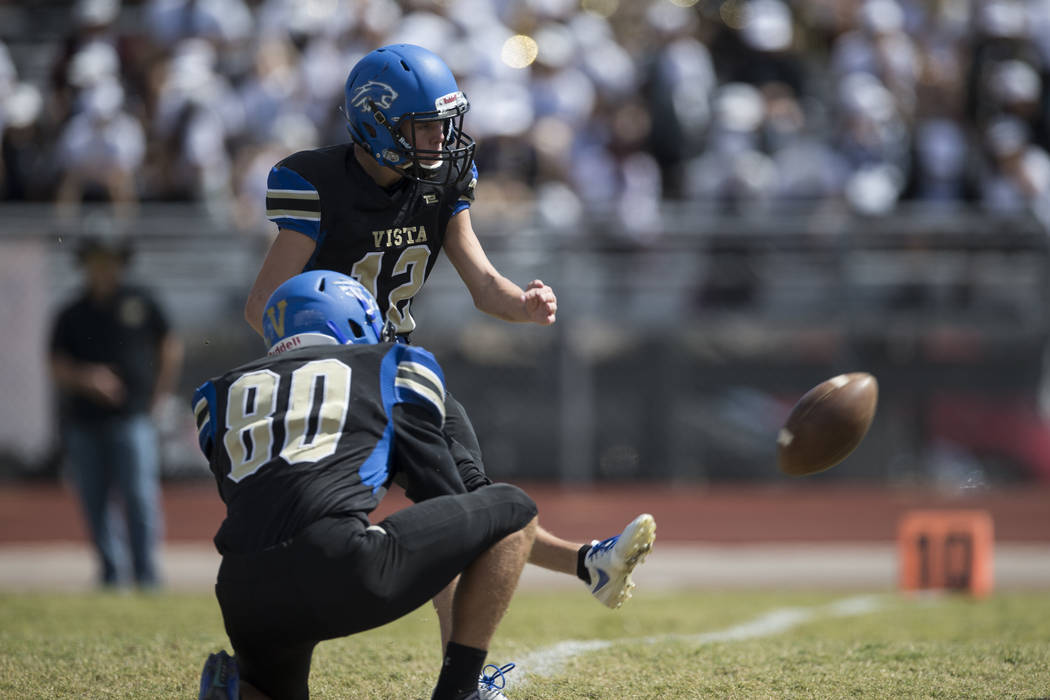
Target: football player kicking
(303,444)
(380,209)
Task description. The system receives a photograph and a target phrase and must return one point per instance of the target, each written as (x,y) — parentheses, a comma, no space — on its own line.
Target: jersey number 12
(412,260)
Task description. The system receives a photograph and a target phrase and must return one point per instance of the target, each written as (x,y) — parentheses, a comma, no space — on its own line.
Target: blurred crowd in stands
(742,104)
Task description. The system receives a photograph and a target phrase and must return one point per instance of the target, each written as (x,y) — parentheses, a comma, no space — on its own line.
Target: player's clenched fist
(541,305)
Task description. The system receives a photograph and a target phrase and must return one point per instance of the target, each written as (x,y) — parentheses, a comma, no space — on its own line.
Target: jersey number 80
(318,402)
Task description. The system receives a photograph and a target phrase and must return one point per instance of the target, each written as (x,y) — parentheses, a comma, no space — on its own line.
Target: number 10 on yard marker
(946,550)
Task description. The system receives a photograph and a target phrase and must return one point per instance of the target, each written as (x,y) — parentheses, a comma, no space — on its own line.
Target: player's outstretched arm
(492,292)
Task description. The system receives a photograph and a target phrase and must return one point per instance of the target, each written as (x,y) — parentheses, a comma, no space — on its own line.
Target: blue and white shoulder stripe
(466,197)
(419,380)
(203,414)
(292,202)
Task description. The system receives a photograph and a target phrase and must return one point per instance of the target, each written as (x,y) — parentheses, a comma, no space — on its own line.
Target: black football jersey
(320,431)
(386,239)
(124,332)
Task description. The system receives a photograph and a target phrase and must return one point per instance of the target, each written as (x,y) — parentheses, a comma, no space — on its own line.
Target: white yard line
(550,660)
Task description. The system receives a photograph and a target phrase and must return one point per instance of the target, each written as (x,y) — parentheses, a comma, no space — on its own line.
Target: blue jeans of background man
(119,457)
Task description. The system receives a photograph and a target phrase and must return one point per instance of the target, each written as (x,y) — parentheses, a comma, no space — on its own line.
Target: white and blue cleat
(610,562)
(491,683)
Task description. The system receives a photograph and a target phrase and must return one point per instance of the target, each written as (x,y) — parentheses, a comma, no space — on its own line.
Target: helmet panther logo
(358,292)
(373,92)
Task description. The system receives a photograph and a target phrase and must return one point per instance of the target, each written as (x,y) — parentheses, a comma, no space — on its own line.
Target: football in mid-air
(827,423)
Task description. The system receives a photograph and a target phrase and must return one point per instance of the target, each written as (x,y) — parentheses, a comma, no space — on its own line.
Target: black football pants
(340,576)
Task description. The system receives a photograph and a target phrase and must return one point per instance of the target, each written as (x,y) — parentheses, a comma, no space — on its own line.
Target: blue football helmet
(407,84)
(322,302)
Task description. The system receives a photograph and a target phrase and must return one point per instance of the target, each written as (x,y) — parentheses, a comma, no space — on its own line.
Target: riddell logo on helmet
(287,344)
(373,93)
(449,101)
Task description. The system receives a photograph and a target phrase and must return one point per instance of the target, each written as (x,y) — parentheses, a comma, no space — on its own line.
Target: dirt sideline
(718,537)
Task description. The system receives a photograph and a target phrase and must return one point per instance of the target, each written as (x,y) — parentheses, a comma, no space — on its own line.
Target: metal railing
(673,358)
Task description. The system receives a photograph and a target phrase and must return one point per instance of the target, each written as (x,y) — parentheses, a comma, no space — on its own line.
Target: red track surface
(684,513)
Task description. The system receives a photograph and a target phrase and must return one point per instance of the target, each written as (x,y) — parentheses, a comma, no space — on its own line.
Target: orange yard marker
(947,550)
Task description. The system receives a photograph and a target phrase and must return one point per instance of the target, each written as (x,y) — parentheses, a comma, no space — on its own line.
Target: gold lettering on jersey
(430,198)
(397,237)
(277,323)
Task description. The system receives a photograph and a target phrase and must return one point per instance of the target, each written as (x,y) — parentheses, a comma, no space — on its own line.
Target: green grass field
(687,645)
